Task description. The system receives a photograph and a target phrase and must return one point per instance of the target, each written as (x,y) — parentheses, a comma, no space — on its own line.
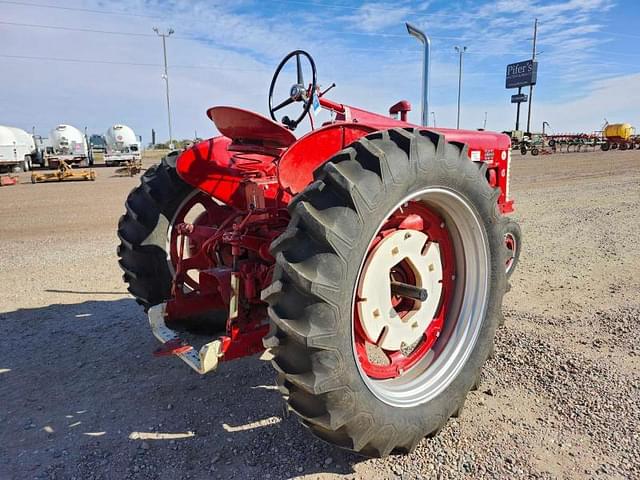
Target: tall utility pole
(460,51)
(484,124)
(166,76)
(533,57)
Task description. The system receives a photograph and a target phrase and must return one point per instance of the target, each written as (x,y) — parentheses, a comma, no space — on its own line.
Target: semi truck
(122,146)
(17,149)
(69,144)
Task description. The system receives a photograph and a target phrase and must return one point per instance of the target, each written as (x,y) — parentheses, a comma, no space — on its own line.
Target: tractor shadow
(83,396)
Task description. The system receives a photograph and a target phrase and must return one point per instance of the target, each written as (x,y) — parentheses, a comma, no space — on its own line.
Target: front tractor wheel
(513,242)
(387,291)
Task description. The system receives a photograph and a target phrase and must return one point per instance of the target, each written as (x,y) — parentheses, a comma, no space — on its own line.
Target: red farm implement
(369,256)
(6,180)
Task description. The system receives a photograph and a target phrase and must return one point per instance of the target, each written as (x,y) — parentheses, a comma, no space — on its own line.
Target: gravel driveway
(82,397)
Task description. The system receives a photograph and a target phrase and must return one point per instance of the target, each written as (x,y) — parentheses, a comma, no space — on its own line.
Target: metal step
(204,361)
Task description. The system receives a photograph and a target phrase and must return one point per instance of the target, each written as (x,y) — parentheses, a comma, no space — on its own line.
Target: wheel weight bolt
(407,290)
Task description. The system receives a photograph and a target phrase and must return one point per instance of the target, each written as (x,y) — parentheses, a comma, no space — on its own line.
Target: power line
(181,37)
(377,50)
(226,68)
(106,12)
(306,3)
(78,9)
(112,32)
(192,38)
(74,29)
(134,64)
(196,38)
(75,60)
(205,67)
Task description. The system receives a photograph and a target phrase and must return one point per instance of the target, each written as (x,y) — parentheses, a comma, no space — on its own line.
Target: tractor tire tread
(145,266)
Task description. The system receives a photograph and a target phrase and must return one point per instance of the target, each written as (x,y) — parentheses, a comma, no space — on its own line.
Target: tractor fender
(211,167)
(297,164)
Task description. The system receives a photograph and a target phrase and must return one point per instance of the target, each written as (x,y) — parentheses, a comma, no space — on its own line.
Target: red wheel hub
(207,213)
(510,243)
(375,360)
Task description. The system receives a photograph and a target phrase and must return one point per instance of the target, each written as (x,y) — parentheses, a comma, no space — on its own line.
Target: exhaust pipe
(426,41)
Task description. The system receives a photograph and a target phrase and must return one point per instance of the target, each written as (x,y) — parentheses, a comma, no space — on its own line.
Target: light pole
(166,76)
(433,114)
(460,51)
(426,41)
(533,57)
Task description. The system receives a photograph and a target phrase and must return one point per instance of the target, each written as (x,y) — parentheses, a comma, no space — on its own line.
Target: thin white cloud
(376,16)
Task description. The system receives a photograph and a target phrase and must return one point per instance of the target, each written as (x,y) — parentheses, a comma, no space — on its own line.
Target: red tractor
(368,257)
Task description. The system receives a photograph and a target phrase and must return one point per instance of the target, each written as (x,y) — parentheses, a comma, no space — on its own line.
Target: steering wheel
(298,92)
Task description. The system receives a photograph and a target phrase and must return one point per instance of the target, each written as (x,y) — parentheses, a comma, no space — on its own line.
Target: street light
(424,39)
(165,76)
(433,114)
(460,51)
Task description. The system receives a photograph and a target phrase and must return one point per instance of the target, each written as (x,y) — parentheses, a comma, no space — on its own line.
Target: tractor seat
(248,129)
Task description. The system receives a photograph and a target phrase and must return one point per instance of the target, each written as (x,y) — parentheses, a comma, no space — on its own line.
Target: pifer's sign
(522,74)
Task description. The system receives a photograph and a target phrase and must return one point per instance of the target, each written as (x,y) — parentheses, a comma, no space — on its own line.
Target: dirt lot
(82,397)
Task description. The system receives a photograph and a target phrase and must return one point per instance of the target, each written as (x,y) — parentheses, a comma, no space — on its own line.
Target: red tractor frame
(257,224)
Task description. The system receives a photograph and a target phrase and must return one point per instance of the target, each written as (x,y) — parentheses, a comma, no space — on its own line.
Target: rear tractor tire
(161,201)
(387,291)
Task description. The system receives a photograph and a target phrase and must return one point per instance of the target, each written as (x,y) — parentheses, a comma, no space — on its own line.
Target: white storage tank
(67,140)
(16,148)
(122,145)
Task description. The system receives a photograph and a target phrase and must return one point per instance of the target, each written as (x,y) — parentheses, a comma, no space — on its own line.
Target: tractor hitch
(237,343)
(202,361)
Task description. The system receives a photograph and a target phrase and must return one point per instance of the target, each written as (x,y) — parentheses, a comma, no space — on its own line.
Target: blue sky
(225,53)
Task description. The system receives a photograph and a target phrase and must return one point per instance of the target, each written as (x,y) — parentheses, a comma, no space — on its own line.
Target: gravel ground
(83,398)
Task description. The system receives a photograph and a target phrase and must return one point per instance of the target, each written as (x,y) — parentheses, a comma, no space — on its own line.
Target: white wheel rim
(377,314)
(437,370)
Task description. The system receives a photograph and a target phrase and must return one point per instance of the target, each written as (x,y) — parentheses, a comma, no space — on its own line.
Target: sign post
(533,58)
(518,99)
(518,110)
